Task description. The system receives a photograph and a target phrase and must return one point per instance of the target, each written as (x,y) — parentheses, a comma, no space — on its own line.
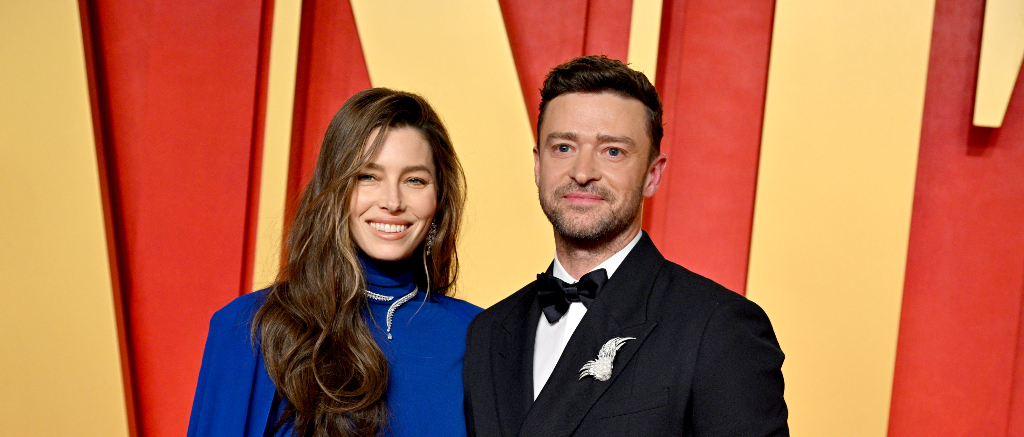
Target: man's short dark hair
(596,74)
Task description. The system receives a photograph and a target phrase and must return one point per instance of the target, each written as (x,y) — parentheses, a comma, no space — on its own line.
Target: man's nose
(585,169)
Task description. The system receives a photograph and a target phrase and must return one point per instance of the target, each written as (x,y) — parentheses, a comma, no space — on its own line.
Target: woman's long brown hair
(316,345)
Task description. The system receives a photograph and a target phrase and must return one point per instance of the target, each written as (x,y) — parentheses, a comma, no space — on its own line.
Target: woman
(358,336)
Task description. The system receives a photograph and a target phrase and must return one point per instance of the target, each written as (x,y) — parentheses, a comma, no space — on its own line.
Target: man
(639,346)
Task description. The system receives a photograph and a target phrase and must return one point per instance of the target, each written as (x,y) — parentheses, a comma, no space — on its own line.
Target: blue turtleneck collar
(391,278)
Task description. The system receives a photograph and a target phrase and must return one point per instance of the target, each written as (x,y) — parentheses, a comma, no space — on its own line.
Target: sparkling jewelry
(394,306)
(601,368)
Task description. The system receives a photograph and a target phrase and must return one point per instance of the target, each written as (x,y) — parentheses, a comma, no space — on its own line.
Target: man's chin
(575,224)
(582,225)
(582,231)
(587,229)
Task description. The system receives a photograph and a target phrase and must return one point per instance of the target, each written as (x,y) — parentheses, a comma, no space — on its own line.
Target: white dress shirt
(552,337)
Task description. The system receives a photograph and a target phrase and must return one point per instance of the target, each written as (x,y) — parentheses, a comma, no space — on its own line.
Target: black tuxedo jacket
(705,362)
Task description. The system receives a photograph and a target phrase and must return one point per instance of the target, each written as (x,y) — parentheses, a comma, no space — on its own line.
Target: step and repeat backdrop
(854,167)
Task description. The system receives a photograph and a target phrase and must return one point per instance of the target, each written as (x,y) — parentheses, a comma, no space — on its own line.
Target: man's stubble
(580,231)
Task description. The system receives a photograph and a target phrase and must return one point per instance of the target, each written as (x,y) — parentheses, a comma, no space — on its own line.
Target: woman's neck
(387,277)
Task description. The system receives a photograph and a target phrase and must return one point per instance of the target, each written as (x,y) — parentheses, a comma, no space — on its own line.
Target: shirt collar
(609,265)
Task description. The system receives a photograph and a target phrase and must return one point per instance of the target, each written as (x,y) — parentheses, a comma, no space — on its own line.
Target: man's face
(591,165)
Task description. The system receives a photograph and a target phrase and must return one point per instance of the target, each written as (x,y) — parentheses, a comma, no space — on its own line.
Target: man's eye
(562,148)
(614,152)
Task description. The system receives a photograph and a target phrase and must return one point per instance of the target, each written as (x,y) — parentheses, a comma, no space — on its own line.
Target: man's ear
(654,172)
(536,166)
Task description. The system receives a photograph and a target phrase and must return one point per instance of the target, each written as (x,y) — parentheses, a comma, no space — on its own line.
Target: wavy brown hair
(316,345)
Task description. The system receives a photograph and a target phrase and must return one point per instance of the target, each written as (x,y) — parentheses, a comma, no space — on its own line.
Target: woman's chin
(385,253)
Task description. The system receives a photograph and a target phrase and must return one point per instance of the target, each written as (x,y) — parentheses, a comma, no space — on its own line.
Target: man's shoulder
(682,286)
(683,277)
(646,263)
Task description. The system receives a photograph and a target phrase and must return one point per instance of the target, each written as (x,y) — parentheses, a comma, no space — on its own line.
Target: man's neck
(579,259)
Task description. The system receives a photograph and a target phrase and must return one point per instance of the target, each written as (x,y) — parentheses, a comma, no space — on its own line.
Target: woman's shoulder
(230,337)
(461,309)
(239,313)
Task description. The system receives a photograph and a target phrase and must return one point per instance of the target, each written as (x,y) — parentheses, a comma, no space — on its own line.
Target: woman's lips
(389,228)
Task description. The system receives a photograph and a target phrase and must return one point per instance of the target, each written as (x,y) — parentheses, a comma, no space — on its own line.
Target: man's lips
(580,198)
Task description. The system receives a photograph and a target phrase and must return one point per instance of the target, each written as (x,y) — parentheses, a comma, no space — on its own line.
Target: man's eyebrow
(571,136)
(615,139)
(601,138)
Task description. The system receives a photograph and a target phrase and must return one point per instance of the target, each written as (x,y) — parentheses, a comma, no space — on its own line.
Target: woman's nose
(392,199)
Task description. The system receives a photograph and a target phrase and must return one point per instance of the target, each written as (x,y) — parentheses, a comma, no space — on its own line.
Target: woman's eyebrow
(413,168)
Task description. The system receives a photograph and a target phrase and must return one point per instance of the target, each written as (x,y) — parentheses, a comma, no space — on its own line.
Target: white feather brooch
(601,368)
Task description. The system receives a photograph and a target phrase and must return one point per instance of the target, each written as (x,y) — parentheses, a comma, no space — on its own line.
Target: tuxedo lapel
(619,311)
(512,362)
(566,398)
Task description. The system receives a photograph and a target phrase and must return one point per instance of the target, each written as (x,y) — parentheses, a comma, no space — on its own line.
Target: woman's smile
(388,228)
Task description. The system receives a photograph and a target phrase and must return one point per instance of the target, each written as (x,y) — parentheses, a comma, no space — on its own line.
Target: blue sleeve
(234,393)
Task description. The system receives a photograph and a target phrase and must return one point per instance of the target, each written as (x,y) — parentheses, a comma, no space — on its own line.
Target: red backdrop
(543,37)
(960,329)
(179,92)
(712,76)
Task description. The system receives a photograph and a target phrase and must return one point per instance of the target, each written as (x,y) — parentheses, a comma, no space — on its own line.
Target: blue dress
(235,396)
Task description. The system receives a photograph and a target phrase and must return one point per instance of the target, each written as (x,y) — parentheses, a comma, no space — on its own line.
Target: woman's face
(395,196)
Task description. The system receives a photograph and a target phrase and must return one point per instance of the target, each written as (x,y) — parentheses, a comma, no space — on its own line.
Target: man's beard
(579,230)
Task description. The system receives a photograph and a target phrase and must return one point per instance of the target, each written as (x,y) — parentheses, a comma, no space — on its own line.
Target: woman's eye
(563,148)
(415,181)
(366,177)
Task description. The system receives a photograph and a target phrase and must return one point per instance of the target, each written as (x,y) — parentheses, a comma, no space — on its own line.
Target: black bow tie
(554,295)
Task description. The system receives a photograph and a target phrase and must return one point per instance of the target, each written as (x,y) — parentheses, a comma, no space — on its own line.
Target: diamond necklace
(394,306)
